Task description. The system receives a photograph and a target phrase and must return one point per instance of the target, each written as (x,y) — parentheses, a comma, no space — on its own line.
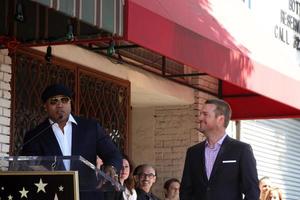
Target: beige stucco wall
(143,140)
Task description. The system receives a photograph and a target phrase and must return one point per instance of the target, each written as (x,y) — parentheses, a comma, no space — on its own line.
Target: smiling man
(146,178)
(220,167)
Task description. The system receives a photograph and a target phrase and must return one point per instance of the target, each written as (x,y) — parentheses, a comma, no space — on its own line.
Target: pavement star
(61,188)
(41,186)
(23,193)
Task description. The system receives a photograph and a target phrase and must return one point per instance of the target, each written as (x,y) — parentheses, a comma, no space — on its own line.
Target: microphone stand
(38,134)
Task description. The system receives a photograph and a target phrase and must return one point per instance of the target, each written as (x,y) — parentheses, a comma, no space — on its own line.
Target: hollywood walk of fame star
(61,188)
(41,186)
(23,193)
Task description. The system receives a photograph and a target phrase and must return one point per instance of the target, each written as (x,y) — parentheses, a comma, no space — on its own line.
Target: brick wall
(174,132)
(5,101)
(160,137)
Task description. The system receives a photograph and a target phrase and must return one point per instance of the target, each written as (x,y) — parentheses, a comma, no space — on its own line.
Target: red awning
(186,32)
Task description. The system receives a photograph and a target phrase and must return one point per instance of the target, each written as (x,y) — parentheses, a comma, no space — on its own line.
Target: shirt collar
(70,120)
(219,142)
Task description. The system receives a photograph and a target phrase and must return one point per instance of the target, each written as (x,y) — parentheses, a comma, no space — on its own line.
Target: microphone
(39,133)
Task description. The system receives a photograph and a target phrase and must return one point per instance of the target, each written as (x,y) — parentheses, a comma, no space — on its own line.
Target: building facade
(245,52)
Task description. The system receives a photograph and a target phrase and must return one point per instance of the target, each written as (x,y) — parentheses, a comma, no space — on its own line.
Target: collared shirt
(211,155)
(64,139)
(128,196)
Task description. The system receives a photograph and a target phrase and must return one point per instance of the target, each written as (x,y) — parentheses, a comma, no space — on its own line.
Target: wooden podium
(51,177)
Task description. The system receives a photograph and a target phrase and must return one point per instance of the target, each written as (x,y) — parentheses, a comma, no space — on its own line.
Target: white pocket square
(229,161)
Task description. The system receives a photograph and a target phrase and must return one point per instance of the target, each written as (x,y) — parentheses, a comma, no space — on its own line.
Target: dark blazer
(88,140)
(234,173)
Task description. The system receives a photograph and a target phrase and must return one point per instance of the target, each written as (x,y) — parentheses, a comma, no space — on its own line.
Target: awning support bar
(184,75)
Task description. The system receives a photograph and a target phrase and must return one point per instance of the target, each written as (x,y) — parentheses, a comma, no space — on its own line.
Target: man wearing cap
(63,134)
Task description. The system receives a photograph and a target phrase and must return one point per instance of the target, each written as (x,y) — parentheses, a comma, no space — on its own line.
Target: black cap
(56,89)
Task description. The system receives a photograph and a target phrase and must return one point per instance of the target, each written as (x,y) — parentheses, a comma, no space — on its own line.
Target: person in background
(273,193)
(264,185)
(219,167)
(135,175)
(126,179)
(146,179)
(63,134)
(171,188)
(99,162)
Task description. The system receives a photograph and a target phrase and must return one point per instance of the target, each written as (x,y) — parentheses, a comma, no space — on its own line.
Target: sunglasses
(56,100)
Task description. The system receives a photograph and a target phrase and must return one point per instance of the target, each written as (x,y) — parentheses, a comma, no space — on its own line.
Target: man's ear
(221,120)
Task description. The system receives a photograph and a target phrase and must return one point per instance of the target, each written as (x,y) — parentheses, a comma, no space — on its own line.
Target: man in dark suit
(220,167)
(63,134)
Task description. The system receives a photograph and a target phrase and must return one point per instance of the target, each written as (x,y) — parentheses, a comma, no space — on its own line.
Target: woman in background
(126,179)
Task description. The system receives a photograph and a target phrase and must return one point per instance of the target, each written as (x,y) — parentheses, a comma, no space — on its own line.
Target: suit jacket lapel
(75,139)
(75,145)
(218,161)
(52,143)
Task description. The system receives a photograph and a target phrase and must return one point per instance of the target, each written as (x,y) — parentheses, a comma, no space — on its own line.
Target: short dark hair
(222,108)
(169,182)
